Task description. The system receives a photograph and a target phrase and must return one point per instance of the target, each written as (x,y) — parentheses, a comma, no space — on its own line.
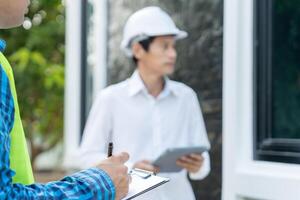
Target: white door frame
(244,177)
(72,100)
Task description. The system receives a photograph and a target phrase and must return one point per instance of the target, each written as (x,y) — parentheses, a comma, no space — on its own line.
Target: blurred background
(37,53)
(66,51)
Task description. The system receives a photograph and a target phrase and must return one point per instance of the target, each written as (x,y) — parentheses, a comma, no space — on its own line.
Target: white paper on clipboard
(143,181)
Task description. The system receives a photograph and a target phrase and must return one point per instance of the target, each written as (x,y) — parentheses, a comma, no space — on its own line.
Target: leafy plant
(36,52)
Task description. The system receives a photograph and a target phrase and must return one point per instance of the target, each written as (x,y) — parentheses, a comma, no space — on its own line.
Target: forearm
(88,184)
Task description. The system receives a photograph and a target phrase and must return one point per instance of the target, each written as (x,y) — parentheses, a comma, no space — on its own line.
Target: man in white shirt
(148,113)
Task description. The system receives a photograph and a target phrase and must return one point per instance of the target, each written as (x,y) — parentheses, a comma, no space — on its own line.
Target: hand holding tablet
(167,161)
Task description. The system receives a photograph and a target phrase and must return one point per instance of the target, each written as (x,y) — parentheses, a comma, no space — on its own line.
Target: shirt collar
(137,85)
(170,87)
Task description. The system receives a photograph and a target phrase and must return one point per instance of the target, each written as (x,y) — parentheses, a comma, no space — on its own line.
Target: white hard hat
(148,22)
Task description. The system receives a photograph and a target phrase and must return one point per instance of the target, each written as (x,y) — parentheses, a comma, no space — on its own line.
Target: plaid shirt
(88,184)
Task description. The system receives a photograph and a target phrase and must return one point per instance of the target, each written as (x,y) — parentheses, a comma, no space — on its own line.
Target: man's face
(12,12)
(161,56)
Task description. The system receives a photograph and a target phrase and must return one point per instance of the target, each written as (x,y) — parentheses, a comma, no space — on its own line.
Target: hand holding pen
(117,171)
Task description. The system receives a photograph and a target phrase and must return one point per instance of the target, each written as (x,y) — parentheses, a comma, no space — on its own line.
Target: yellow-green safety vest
(19,157)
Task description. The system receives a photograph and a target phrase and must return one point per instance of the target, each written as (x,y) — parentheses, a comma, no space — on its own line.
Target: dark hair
(146,45)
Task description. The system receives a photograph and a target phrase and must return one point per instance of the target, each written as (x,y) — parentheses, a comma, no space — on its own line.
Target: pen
(110,149)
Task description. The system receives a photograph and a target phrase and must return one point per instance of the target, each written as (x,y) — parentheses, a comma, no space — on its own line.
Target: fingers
(123,169)
(125,180)
(155,169)
(192,162)
(189,163)
(122,186)
(189,167)
(124,157)
(115,168)
(120,158)
(192,158)
(146,161)
(146,165)
(130,179)
(196,157)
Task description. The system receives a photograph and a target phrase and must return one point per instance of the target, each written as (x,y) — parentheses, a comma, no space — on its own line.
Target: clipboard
(143,181)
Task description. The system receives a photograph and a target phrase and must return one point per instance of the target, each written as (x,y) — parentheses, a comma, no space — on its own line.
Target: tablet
(167,161)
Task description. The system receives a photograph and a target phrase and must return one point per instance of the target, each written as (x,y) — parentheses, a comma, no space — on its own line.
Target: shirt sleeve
(97,132)
(199,136)
(89,184)
(205,169)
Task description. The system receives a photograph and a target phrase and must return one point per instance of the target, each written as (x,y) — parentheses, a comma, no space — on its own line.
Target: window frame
(265,147)
(83,63)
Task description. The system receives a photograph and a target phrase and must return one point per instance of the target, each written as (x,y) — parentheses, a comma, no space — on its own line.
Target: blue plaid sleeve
(87,184)
(6,124)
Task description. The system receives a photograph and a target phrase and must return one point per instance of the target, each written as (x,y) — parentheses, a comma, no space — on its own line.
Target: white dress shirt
(145,126)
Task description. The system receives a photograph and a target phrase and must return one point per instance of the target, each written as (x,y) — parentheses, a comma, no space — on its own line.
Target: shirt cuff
(204,170)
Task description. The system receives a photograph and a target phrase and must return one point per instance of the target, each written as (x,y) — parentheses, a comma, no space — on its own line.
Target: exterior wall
(199,65)
(242,176)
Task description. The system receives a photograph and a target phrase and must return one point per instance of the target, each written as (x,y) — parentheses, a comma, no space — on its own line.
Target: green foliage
(37,58)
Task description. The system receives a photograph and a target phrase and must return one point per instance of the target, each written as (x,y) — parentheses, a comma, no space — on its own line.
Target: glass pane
(286,69)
